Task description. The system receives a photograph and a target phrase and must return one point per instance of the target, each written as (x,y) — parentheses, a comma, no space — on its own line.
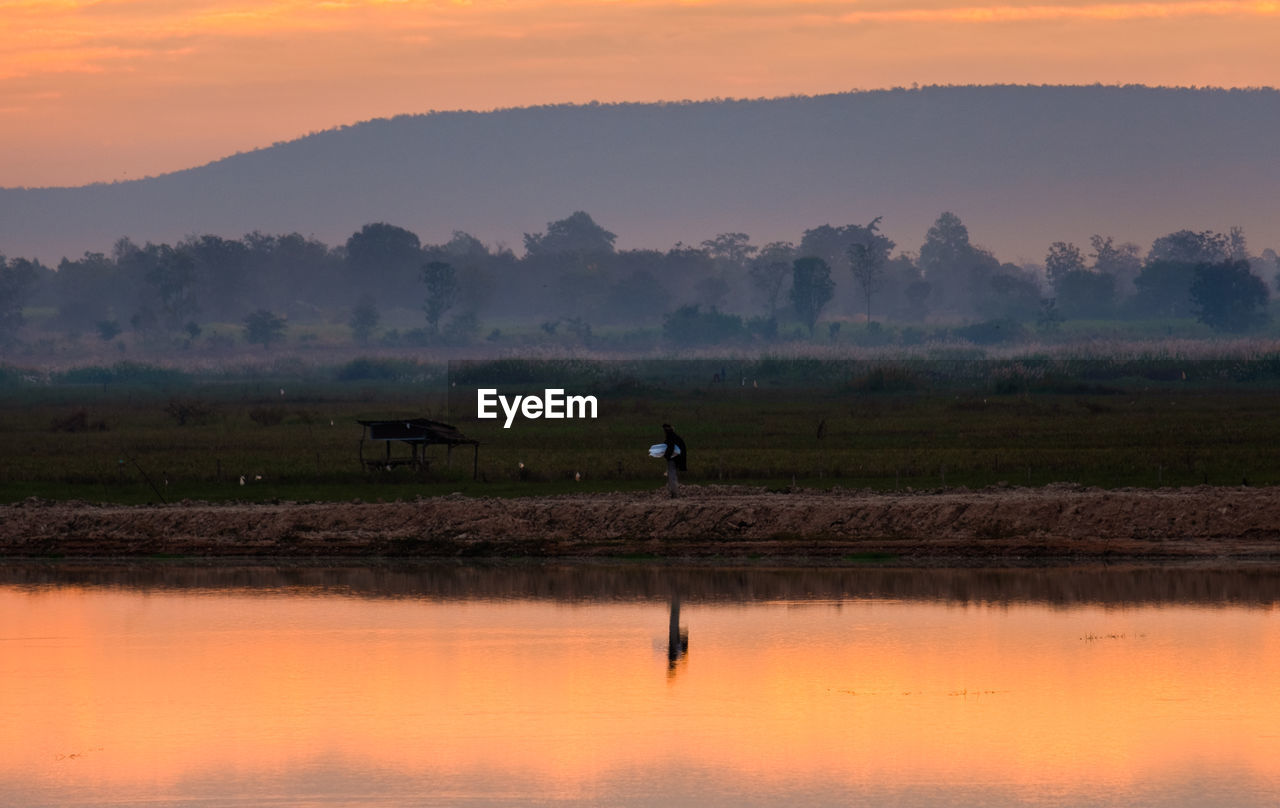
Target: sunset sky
(100,90)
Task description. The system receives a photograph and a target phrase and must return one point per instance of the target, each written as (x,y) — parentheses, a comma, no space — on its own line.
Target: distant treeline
(571,280)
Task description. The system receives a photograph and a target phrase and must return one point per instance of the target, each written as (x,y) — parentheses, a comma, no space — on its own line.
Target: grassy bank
(884,427)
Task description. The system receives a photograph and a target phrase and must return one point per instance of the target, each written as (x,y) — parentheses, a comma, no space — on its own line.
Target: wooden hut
(417,434)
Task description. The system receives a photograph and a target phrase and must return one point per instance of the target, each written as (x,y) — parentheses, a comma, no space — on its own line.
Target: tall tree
(386,259)
(223,283)
(86,289)
(733,249)
(868,268)
(1228,297)
(945,247)
(1191,247)
(1122,262)
(1062,259)
(831,244)
(577,234)
(474,267)
(442,291)
(173,280)
(17,279)
(811,289)
(364,319)
(959,274)
(769,271)
(1237,244)
(293,269)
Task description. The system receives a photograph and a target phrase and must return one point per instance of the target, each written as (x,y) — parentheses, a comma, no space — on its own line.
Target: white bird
(242,479)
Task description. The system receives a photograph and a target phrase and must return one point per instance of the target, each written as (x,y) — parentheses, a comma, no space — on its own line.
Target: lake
(174,684)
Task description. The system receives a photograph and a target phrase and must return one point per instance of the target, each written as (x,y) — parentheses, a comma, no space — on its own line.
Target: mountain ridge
(1023,166)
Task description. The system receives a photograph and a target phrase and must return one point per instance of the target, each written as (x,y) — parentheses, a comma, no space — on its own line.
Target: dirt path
(1018,525)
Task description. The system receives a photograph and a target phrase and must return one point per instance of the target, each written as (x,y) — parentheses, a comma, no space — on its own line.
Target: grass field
(853,425)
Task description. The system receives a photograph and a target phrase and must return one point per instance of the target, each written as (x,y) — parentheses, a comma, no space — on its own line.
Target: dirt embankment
(957,526)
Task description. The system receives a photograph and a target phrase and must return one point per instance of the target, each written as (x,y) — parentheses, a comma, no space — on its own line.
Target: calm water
(572,686)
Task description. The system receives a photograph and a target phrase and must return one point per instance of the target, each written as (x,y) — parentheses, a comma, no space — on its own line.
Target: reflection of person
(674,461)
(677,640)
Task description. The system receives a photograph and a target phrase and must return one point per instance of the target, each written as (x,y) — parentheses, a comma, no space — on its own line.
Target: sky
(104,90)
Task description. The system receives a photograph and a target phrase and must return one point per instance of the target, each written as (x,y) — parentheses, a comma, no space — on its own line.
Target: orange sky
(94,90)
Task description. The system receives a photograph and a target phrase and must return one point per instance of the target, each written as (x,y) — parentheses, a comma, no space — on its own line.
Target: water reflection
(514,685)
(677,637)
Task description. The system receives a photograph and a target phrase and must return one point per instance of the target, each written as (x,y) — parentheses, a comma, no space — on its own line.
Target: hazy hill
(1022,166)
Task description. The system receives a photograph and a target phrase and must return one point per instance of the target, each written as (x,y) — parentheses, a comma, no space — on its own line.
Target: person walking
(676,461)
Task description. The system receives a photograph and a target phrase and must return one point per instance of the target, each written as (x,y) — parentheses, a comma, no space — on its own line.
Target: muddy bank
(1008,525)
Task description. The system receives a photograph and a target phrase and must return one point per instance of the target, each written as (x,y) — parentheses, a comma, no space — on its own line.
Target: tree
(578,234)
(1122,263)
(263,327)
(1190,247)
(1164,285)
(1164,289)
(958,272)
(386,258)
(769,272)
(1228,297)
(1063,258)
(946,246)
(473,265)
(17,278)
(831,244)
(442,291)
(711,290)
(811,289)
(917,294)
(1237,244)
(640,284)
(1084,293)
(1015,295)
(222,280)
(172,277)
(690,325)
(733,249)
(364,319)
(85,289)
(868,267)
(292,268)
(1114,260)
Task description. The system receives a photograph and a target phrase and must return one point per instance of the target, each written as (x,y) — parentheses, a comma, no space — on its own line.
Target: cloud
(1099,12)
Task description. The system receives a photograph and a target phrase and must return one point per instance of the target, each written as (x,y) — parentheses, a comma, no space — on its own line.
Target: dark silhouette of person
(675,462)
(677,640)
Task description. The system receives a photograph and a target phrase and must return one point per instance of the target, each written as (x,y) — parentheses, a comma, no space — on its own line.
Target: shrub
(77,421)
(689,325)
(366,368)
(992,332)
(189,411)
(267,416)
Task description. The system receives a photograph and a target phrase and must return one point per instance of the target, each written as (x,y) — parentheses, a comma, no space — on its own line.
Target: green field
(855,425)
